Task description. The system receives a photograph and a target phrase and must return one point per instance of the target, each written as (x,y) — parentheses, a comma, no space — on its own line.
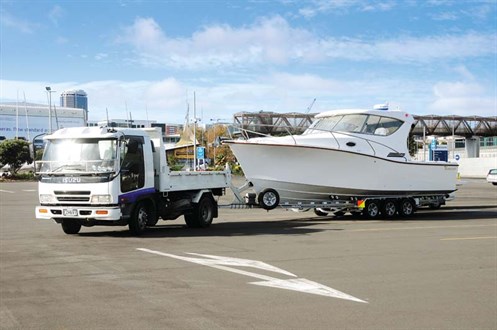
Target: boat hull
(304,173)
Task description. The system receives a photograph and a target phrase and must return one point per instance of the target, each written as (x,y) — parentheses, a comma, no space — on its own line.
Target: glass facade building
(74,99)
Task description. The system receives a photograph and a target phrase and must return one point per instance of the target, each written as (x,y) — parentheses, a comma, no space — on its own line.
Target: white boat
(352,153)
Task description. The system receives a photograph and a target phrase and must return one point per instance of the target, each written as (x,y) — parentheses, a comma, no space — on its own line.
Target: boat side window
(323,124)
(387,126)
(371,124)
(351,123)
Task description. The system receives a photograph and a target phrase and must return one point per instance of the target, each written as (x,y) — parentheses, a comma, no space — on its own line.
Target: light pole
(49,91)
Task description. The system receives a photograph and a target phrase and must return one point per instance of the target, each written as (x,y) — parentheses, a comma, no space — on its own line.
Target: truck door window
(133,169)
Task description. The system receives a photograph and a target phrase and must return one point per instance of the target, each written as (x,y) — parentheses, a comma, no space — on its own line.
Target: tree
(15,153)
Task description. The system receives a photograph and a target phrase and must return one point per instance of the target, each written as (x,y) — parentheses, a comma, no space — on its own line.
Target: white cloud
(463,99)
(464,72)
(317,7)
(272,41)
(56,13)
(8,20)
(166,100)
(101,56)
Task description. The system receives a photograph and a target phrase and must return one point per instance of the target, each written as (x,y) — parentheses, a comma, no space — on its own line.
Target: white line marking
(420,227)
(29,190)
(467,238)
(6,191)
(295,284)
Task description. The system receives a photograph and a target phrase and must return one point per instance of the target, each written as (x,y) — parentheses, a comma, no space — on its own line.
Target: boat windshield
(356,123)
(93,156)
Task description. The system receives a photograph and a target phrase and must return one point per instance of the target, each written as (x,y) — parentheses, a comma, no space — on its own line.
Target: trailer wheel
(407,207)
(139,219)
(320,212)
(389,208)
(435,206)
(268,199)
(70,226)
(202,213)
(372,209)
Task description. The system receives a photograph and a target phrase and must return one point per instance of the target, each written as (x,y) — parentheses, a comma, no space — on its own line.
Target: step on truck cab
(119,176)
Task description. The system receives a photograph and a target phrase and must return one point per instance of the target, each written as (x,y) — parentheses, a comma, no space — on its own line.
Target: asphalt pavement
(254,269)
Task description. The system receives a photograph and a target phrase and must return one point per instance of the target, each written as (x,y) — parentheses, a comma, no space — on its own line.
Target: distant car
(492,176)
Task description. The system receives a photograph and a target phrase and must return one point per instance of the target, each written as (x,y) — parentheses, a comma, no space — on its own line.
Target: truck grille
(72,196)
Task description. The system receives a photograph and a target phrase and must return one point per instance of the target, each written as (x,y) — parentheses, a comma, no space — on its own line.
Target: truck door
(133,169)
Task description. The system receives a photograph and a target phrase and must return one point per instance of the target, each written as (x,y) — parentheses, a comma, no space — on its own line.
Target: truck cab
(106,176)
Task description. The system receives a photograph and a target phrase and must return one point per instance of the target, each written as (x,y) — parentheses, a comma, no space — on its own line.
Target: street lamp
(49,92)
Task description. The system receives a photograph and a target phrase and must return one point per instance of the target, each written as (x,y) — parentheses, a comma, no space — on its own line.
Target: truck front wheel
(70,226)
(139,219)
(202,214)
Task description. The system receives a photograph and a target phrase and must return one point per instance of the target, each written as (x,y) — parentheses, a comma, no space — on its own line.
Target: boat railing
(245,132)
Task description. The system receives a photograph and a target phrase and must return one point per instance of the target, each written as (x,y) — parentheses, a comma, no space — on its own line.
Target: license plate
(70,212)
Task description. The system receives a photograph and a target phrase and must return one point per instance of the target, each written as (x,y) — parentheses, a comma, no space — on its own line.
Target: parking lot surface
(254,269)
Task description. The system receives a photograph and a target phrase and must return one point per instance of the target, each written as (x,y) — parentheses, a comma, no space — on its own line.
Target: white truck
(119,176)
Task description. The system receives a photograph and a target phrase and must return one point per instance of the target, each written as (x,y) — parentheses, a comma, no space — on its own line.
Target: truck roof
(99,132)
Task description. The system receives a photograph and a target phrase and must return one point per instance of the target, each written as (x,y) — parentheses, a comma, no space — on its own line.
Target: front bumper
(78,212)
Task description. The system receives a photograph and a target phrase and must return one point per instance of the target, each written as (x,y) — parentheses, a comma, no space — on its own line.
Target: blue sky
(426,57)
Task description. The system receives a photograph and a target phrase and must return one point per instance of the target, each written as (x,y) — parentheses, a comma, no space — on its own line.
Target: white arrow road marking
(295,284)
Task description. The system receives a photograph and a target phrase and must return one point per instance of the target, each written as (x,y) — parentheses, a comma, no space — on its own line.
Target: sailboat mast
(194,133)
(26,115)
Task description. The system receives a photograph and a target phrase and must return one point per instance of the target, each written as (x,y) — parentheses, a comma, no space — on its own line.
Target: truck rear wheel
(139,218)
(70,226)
(202,213)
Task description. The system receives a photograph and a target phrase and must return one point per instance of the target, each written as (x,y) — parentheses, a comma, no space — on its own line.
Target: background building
(76,98)
(26,120)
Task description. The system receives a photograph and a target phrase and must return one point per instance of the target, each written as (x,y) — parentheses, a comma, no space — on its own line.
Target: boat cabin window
(356,123)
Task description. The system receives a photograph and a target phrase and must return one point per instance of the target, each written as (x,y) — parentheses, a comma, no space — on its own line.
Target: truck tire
(268,199)
(202,214)
(139,219)
(70,226)
(407,207)
(372,209)
(389,208)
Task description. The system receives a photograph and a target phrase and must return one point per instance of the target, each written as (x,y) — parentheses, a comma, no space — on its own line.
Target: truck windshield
(92,156)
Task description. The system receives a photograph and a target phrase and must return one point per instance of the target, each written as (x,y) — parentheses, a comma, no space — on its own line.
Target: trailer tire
(389,208)
(407,207)
(70,226)
(268,199)
(435,206)
(202,214)
(372,209)
(139,219)
(320,212)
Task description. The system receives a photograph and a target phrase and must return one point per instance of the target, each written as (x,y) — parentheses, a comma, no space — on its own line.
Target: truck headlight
(47,199)
(101,199)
